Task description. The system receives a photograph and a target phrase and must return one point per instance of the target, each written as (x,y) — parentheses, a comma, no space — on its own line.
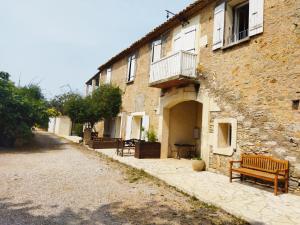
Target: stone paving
(241,199)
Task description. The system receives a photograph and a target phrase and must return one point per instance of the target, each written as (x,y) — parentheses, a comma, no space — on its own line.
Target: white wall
(60,126)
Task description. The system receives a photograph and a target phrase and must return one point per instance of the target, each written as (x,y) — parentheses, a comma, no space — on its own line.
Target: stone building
(223,75)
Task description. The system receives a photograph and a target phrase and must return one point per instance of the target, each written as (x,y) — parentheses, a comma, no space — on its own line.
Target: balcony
(173,70)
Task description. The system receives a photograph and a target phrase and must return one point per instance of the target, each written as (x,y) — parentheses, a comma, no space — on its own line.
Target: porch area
(258,206)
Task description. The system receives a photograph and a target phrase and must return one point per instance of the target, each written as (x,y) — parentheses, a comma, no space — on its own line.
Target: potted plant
(198,164)
(149,148)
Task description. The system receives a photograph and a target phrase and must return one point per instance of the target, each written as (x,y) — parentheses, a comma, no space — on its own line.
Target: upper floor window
(131,68)
(108,76)
(156,51)
(240,26)
(237,20)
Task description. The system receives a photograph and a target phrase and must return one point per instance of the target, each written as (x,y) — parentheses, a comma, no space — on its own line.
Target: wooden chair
(126,145)
(262,167)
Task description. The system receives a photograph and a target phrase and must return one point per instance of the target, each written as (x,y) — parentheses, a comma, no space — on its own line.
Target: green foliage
(52,112)
(107,100)
(74,107)
(59,101)
(104,103)
(151,135)
(21,108)
(78,129)
(197,158)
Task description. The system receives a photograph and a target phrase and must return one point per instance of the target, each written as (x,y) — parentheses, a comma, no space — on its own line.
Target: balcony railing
(179,64)
(236,37)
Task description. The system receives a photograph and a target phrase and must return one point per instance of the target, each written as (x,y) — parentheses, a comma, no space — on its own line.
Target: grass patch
(134,175)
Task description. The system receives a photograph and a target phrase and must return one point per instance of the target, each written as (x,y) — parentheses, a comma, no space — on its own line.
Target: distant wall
(60,125)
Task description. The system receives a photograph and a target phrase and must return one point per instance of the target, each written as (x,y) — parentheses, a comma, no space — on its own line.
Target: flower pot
(198,165)
(147,150)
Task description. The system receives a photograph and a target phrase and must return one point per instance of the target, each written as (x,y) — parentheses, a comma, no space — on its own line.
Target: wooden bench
(262,167)
(104,143)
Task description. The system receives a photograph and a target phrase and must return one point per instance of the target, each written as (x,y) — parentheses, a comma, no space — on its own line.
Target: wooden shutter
(177,43)
(145,125)
(108,76)
(256,17)
(218,32)
(189,39)
(156,51)
(128,127)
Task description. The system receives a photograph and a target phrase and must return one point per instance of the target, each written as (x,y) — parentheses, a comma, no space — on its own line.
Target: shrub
(151,135)
(21,108)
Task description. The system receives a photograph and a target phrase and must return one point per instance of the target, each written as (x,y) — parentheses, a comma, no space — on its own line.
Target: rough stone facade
(137,95)
(254,82)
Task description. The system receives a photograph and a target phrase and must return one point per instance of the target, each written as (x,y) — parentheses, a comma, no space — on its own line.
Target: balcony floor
(173,82)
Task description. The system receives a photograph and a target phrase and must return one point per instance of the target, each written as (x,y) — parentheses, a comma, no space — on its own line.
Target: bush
(78,129)
(21,108)
(151,135)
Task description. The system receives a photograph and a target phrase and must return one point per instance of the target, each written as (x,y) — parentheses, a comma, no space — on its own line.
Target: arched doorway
(193,103)
(185,124)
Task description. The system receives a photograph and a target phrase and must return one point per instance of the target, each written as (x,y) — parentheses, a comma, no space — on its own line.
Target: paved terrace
(250,203)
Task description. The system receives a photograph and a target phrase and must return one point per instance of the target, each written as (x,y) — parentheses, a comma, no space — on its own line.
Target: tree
(74,107)
(108,100)
(21,108)
(104,103)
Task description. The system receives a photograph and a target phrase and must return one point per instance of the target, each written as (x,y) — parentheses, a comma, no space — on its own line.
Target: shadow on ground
(114,213)
(41,142)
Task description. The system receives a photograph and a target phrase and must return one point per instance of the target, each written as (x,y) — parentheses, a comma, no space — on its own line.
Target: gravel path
(56,182)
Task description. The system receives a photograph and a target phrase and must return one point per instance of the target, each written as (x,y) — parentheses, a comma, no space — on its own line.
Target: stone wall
(137,95)
(253,82)
(256,82)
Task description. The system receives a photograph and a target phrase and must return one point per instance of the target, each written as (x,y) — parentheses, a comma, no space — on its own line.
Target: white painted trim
(138,114)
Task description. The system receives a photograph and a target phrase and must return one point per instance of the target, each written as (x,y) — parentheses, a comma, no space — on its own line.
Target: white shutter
(145,125)
(108,76)
(177,43)
(128,128)
(131,68)
(218,32)
(128,69)
(133,65)
(156,51)
(256,17)
(189,39)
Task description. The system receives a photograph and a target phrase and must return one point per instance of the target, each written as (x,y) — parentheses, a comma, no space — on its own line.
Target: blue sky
(62,42)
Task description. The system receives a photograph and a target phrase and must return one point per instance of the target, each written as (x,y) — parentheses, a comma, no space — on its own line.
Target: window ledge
(129,82)
(236,43)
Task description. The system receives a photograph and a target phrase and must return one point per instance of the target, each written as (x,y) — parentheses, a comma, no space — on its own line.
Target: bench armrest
(285,171)
(234,161)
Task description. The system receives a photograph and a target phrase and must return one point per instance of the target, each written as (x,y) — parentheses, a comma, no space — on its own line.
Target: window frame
(236,22)
(131,77)
(229,150)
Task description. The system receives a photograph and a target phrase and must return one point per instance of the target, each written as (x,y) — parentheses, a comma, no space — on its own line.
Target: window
(225,136)
(131,68)
(295,104)
(241,22)
(236,20)
(108,76)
